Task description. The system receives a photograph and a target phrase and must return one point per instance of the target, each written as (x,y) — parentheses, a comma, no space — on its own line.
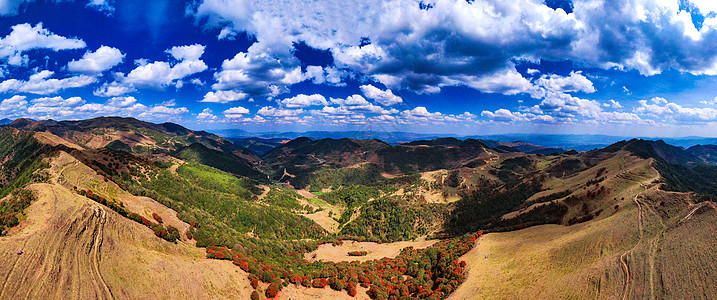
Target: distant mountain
(259,146)
(519,146)
(226,162)
(449,141)
(392,138)
(656,149)
(139,135)
(302,156)
(5,121)
(707,153)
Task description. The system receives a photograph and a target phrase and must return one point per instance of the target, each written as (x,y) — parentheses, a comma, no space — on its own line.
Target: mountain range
(136,209)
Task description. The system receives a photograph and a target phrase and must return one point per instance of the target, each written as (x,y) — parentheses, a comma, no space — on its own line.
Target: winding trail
(95,254)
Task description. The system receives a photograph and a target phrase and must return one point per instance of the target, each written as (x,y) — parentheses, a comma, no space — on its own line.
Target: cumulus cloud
(24,37)
(575,82)
(40,83)
(223,96)
(14,103)
(96,62)
(161,110)
(235,112)
(54,106)
(301,100)
(206,114)
(269,111)
(102,6)
(113,89)
(352,100)
(472,43)
(258,73)
(504,115)
(160,74)
(386,97)
(660,108)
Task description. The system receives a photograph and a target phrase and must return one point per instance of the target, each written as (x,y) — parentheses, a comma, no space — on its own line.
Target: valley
(121,208)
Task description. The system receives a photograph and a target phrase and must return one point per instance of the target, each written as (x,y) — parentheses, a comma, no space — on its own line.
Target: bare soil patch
(329,252)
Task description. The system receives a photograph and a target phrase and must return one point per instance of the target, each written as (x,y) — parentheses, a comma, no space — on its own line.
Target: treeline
(430,273)
(351,198)
(701,179)
(394,219)
(366,174)
(484,207)
(217,200)
(13,207)
(22,155)
(169,233)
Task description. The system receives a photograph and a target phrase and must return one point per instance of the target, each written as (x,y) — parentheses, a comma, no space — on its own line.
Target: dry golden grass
(75,248)
(648,248)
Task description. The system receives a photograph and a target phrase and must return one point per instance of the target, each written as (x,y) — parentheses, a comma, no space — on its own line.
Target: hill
(259,146)
(140,136)
(230,163)
(707,153)
(482,221)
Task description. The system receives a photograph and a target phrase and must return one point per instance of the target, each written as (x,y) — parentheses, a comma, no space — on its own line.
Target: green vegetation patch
(393,219)
(12,209)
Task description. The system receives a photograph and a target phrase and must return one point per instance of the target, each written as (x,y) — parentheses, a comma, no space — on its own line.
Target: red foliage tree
(254,295)
(272,290)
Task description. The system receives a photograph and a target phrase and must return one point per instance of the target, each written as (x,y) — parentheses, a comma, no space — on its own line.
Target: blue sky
(632,67)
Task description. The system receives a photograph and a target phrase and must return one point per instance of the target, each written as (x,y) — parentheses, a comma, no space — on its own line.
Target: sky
(458,67)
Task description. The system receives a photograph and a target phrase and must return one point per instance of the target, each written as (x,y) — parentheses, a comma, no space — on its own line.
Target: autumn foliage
(430,273)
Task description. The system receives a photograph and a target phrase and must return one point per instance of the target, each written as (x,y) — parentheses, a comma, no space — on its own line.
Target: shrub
(272,290)
(358,253)
(254,295)
(157,217)
(319,283)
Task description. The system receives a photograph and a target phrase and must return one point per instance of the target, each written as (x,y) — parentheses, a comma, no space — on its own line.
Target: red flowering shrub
(272,290)
(351,288)
(157,217)
(253,281)
(254,295)
(319,283)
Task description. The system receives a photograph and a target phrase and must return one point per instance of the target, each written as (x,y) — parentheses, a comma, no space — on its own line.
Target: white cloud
(468,43)
(235,112)
(165,110)
(24,37)
(113,89)
(40,83)
(710,102)
(675,112)
(160,74)
(54,106)
(504,115)
(258,74)
(575,82)
(612,103)
(352,100)
(566,105)
(301,100)
(386,97)
(223,97)
(14,103)
(189,52)
(268,111)
(96,62)
(102,6)
(206,114)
